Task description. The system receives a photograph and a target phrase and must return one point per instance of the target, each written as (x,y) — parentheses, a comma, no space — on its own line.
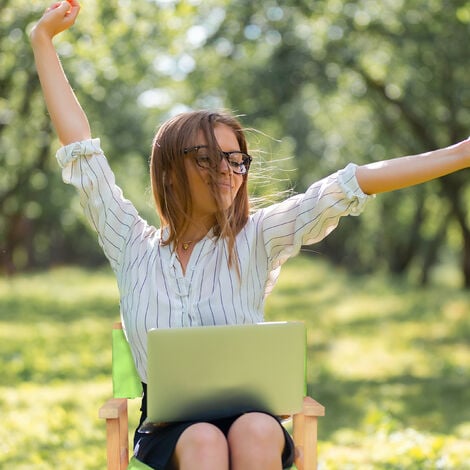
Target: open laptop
(216,371)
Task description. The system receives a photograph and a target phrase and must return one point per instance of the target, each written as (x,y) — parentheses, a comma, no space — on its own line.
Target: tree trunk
(453,186)
(404,250)
(466,259)
(431,252)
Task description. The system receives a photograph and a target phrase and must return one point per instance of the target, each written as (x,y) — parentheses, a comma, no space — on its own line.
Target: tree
(40,223)
(358,81)
(328,81)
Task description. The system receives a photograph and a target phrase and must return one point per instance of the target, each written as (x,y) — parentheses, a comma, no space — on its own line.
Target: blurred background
(323,83)
(319,84)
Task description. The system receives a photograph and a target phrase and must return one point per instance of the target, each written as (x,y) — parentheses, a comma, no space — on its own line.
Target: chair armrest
(312,408)
(114,408)
(114,411)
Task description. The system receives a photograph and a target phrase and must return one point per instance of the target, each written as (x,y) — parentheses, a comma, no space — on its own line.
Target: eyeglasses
(238,162)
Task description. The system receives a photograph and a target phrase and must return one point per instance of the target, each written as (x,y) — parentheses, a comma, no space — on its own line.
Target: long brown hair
(173,201)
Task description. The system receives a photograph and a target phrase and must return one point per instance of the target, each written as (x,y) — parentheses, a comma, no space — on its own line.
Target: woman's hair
(170,185)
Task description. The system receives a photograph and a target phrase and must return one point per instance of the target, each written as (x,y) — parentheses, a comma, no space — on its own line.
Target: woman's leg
(202,446)
(256,441)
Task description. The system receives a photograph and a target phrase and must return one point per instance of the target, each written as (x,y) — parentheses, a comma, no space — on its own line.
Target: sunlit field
(390,362)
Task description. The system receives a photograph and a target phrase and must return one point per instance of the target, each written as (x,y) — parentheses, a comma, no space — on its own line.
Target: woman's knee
(257,429)
(202,442)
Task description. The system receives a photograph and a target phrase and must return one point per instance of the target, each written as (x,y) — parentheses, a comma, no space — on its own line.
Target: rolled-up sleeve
(86,168)
(307,218)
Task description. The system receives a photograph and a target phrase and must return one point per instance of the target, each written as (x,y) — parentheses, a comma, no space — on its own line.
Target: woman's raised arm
(68,117)
(389,175)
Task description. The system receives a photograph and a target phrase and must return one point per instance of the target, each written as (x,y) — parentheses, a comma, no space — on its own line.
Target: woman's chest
(157,293)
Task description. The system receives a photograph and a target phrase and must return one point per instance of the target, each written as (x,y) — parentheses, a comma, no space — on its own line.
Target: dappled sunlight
(375,360)
(389,362)
(405,449)
(44,352)
(67,284)
(58,424)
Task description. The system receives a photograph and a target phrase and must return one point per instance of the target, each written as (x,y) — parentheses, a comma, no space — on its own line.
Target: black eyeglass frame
(239,168)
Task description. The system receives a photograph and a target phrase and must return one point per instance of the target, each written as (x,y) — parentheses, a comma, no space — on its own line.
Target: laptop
(216,371)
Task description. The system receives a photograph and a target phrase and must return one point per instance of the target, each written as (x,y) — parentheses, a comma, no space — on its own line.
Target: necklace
(186,245)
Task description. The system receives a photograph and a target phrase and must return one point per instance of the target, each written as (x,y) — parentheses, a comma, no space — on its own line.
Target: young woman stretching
(211,262)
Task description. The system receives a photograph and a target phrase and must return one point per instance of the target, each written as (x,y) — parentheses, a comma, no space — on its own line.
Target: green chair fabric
(135,464)
(126,381)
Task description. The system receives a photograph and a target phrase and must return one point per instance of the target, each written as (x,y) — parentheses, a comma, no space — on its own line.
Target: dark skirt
(156,448)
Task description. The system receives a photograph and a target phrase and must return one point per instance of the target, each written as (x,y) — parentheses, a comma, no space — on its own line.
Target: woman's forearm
(68,117)
(389,175)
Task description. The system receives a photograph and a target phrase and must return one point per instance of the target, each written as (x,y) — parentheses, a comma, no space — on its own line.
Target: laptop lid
(216,371)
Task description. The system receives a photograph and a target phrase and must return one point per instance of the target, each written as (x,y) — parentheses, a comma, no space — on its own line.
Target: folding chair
(126,384)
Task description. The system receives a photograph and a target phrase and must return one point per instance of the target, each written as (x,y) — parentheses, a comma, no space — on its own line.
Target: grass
(390,362)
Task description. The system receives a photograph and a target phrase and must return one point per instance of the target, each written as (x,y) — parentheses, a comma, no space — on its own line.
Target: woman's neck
(195,232)
(190,238)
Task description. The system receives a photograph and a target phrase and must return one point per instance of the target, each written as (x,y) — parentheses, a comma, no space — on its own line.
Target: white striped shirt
(154,292)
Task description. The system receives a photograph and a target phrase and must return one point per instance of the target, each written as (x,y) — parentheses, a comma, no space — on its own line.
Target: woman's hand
(57,18)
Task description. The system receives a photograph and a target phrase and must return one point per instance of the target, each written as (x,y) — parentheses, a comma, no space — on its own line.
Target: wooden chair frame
(305,432)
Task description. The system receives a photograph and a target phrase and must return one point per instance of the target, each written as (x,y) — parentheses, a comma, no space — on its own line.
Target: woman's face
(227,182)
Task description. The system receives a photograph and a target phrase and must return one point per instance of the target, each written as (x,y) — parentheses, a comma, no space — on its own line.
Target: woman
(210,262)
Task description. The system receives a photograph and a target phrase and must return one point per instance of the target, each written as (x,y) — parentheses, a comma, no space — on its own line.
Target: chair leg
(305,434)
(115,413)
(299,439)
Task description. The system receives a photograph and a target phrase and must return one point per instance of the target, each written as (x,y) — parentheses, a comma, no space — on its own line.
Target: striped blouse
(154,292)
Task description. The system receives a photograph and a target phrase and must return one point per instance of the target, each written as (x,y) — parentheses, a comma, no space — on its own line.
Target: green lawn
(390,362)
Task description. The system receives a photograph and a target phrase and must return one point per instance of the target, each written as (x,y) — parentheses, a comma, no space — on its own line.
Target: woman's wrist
(466,152)
(461,151)
(39,36)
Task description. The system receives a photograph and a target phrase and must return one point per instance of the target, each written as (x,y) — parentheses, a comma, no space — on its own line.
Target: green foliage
(66,323)
(327,82)
(40,222)
(390,363)
(356,81)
